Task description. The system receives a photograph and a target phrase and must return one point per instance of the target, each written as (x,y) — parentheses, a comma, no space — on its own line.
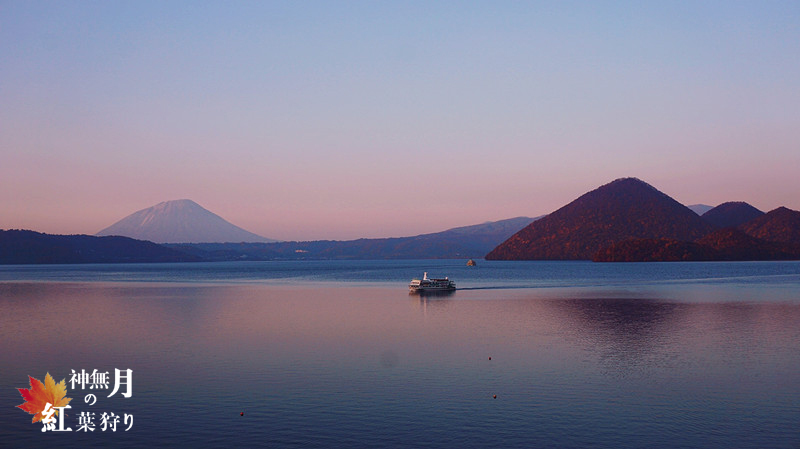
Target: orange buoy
(495,396)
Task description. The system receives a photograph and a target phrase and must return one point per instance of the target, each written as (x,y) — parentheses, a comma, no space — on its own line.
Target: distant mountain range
(463,242)
(23,247)
(180,221)
(625,220)
(629,220)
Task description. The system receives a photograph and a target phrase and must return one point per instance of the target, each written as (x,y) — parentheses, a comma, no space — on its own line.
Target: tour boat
(431,285)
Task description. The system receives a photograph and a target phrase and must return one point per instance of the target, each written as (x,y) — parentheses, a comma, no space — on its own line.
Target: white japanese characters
(96,380)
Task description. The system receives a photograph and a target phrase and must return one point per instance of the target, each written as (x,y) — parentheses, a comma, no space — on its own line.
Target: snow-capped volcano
(180,221)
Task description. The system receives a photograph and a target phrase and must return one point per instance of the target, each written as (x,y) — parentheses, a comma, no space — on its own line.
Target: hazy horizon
(325,120)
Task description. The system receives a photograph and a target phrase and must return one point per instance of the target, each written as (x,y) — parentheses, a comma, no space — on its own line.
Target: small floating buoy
(241,414)
(495,396)
(490,358)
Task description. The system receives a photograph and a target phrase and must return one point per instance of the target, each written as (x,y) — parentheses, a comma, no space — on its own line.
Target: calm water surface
(337,354)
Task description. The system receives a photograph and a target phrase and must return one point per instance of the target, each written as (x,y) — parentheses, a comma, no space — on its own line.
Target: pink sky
(391,119)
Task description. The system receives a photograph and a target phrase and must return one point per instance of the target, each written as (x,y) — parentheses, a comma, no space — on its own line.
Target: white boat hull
(431,285)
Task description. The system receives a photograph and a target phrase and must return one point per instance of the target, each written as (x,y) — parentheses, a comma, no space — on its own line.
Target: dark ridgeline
(780,225)
(624,209)
(731,214)
(29,247)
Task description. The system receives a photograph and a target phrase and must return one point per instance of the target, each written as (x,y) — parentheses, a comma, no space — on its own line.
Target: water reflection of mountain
(626,334)
(637,337)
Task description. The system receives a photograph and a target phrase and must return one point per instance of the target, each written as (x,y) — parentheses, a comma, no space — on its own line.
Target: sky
(338,120)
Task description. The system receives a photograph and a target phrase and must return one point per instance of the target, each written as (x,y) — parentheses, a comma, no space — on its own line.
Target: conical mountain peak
(622,209)
(180,221)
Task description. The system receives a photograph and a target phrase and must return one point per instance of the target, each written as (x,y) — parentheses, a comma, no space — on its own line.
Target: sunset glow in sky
(340,120)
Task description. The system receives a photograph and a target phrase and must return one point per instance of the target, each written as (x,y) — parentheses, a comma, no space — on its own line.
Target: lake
(338,354)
